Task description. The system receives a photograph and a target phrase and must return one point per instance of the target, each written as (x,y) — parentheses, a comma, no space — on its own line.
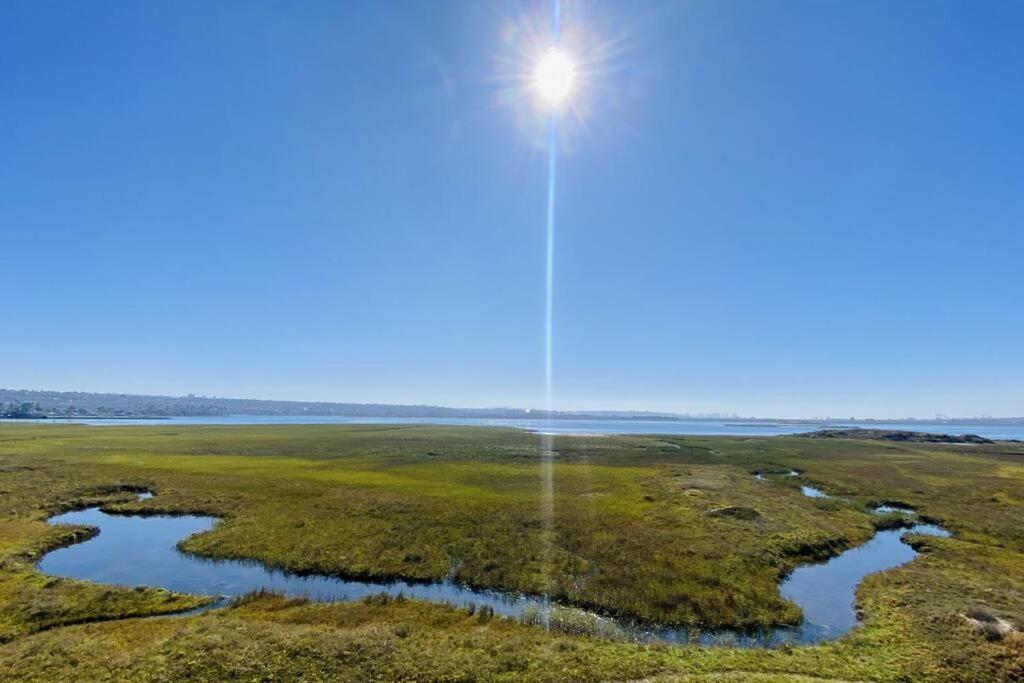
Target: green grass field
(633,535)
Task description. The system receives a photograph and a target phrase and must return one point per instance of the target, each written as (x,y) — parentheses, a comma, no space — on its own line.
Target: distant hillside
(893,435)
(29,403)
(24,403)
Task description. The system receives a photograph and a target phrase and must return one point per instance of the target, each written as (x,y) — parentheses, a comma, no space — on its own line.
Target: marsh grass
(634,535)
(572,621)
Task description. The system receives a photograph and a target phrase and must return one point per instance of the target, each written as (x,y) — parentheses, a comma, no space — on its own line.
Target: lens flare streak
(547,441)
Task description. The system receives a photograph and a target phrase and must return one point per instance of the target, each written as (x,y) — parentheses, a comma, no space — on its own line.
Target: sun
(554,76)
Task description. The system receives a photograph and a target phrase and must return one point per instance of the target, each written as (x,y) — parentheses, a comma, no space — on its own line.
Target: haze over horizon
(786,209)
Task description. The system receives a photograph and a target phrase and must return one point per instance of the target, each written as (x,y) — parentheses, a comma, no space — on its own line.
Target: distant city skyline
(777,208)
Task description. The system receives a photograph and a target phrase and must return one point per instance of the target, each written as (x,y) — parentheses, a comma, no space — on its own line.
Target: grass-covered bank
(637,532)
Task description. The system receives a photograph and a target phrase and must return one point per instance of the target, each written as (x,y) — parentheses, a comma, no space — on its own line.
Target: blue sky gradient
(767,208)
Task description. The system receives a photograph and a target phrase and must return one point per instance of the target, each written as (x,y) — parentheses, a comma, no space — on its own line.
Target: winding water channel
(134,550)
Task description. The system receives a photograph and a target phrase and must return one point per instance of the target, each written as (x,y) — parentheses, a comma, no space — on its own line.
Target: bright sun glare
(554,76)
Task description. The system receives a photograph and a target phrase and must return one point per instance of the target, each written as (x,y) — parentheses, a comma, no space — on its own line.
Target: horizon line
(542,411)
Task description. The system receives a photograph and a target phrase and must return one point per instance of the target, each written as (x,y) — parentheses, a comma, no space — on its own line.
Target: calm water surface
(678,427)
(141,551)
(825,592)
(812,492)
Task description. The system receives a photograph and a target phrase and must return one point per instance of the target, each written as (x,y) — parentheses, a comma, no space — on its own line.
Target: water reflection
(812,492)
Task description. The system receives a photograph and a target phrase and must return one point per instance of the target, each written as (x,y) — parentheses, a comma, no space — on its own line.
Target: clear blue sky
(770,208)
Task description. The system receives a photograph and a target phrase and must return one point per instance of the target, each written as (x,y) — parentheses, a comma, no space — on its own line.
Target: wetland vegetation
(638,532)
(140,550)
